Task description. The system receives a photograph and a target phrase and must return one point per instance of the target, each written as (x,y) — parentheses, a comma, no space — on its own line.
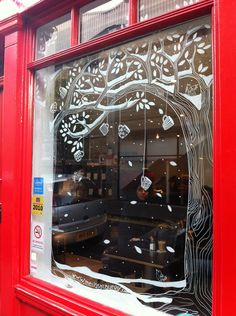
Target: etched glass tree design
(173,66)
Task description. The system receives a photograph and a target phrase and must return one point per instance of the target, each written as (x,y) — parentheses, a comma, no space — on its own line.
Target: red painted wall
(11,143)
(1,100)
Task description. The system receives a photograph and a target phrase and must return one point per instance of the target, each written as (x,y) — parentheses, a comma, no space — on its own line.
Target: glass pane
(122,174)
(53,37)
(102,17)
(151,8)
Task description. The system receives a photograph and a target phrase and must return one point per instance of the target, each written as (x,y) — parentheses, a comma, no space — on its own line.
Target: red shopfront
(117,124)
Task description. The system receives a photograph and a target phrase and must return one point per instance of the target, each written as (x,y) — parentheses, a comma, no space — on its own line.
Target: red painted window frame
(50,298)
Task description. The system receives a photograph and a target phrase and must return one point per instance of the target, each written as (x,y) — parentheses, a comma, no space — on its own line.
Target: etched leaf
(201,51)
(170,249)
(176,35)
(153,56)
(139,250)
(181,62)
(204,69)
(106,241)
(201,45)
(181,38)
(200,67)
(207,46)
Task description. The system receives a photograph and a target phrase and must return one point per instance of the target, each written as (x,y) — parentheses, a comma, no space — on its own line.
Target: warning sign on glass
(37,236)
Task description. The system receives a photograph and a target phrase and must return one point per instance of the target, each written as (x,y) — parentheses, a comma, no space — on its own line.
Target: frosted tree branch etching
(120,80)
(170,70)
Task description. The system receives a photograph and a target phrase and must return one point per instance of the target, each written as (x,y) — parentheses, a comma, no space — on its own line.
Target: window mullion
(74,26)
(133,11)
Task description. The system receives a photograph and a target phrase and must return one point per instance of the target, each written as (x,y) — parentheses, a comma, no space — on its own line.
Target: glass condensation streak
(53,37)
(151,8)
(99,19)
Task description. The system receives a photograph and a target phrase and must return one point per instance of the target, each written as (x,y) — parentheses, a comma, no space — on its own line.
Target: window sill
(56,301)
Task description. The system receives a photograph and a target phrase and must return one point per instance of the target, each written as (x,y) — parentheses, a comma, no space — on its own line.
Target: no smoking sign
(38,237)
(38,231)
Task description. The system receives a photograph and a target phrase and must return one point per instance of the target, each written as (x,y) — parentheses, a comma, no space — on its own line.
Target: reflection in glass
(125,153)
(53,37)
(102,17)
(151,8)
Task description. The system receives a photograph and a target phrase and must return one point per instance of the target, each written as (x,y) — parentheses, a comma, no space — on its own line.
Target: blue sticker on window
(38,185)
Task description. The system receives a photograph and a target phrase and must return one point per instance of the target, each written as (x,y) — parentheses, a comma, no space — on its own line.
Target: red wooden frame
(11,24)
(11,169)
(133,12)
(74,26)
(224,219)
(135,30)
(16,188)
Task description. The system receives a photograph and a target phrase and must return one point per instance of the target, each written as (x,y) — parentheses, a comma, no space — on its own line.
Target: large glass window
(53,36)
(101,17)
(122,173)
